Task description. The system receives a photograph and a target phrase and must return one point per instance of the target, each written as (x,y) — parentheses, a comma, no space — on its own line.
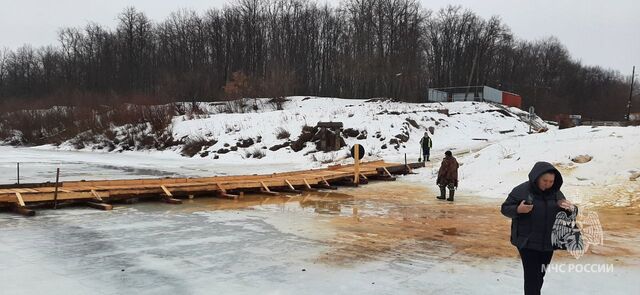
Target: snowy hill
(387,129)
(491,142)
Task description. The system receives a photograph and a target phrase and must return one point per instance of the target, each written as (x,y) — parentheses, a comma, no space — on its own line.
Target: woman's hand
(524,208)
(565,204)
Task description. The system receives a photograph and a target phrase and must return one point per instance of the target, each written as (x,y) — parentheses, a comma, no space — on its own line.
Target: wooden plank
(100,206)
(172,201)
(20,200)
(221,188)
(41,197)
(81,193)
(163,181)
(168,196)
(266,188)
(96,190)
(290,186)
(306,183)
(95,194)
(227,196)
(408,169)
(166,191)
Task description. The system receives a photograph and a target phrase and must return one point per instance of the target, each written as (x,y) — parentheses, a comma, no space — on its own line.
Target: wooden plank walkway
(99,193)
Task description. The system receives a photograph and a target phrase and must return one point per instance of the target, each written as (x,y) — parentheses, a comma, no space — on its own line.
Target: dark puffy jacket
(533,230)
(426,143)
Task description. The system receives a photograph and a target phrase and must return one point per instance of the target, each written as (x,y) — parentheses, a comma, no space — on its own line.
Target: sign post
(357,151)
(356,157)
(531,114)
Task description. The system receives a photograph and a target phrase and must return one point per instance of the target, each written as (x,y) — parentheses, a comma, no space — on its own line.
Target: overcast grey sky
(596,32)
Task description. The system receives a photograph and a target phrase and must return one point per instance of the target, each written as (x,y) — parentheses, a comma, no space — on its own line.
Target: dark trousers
(425,154)
(532,263)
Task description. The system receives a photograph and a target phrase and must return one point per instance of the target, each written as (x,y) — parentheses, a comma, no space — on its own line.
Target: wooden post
(356,157)
(633,76)
(55,192)
(18,172)
(289,184)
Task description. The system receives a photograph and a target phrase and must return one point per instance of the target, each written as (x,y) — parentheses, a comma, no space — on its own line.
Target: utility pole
(633,75)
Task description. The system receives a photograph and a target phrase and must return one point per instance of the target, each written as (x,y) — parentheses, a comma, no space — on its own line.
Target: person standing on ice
(425,144)
(532,207)
(448,176)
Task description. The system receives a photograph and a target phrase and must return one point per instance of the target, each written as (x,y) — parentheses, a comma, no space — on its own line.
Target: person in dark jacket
(426,144)
(448,176)
(532,207)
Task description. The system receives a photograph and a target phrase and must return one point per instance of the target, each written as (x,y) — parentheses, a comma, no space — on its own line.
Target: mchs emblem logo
(575,231)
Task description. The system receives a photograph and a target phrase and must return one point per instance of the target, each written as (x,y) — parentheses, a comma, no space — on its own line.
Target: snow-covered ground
(467,125)
(494,170)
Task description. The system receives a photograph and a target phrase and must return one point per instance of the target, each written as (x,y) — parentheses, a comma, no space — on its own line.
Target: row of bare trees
(361,48)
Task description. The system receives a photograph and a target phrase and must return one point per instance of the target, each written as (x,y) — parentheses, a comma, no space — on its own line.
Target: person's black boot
(451,193)
(443,192)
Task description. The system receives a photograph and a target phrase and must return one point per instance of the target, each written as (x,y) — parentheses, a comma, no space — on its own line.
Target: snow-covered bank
(615,151)
(386,128)
(491,142)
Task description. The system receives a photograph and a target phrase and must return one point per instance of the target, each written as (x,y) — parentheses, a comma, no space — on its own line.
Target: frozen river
(382,238)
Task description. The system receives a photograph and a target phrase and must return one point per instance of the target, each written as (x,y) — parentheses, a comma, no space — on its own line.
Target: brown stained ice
(404,221)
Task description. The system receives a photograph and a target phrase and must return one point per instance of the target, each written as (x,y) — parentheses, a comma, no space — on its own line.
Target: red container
(511,99)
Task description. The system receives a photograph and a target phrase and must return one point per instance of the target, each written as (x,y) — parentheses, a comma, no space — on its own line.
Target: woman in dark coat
(532,207)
